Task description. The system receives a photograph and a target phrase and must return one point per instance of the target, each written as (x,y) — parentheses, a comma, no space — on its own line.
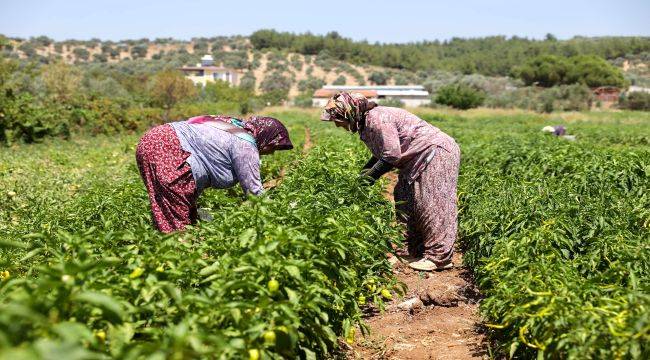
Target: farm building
(607,93)
(410,95)
(206,71)
(638,89)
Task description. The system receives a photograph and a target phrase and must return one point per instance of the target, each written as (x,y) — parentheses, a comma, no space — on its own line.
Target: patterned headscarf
(348,106)
(268,132)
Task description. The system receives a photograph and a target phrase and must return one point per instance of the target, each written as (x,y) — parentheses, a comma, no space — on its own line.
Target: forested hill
(495,55)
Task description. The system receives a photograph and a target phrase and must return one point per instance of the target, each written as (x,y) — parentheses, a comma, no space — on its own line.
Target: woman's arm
(246,166)
(382,138)
(370,163)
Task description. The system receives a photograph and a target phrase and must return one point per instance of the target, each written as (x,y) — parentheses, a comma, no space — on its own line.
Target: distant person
(428,160)
(179,160)
(560,131)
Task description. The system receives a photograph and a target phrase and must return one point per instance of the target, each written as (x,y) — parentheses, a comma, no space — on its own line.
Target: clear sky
(380,20)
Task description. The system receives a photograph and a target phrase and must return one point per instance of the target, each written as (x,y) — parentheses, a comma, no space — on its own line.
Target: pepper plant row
(285,275)
(558,235)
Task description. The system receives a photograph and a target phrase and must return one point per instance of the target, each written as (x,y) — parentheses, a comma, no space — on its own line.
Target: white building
(410,95)
(206,71)
(638,89)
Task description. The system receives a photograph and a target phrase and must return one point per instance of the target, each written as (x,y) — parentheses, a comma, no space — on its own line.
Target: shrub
(310,84)
(200,46)
(392,102)
(378,78)
(42,41)
(100,58)
(139,51)
(28,49)
(304,100)
(274,82)
(558,98)
(341,80)
(236,59)
(81,53)
(401,79)
(460,96)
(296,62)
(326,62)
(24,119)
(274,97)
(635,101)
(257,60)
(275,66)
(248,81)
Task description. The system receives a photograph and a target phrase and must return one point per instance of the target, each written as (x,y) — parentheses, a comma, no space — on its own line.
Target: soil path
(446,325)
(307,145)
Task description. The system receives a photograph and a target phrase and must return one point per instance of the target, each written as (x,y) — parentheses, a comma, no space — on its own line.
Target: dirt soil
(444,324)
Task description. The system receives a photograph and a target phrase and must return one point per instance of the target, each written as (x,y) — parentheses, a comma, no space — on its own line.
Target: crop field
(556,233)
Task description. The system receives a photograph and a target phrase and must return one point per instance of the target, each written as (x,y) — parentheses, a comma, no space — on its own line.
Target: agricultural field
(555,231)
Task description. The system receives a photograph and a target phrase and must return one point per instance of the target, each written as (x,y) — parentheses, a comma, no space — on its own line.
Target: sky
(379,20)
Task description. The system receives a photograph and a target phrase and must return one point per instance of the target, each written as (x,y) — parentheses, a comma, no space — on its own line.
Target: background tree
(593,72)
(551,70)
(170,87)
(61,81)
(546,71)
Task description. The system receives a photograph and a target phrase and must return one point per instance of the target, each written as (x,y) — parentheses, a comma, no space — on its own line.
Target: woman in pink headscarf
(428,160)
(180,159)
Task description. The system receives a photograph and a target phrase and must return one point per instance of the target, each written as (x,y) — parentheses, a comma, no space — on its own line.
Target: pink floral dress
(425,195)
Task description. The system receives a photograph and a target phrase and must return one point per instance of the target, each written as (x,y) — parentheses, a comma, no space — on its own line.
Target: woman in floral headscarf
(428,160)
(180,159)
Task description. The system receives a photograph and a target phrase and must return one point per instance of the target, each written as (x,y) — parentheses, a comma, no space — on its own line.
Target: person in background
(177,161)
(559,131)
(428,160)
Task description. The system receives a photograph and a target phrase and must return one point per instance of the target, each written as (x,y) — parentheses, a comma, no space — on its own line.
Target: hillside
(231,52)
(304,62)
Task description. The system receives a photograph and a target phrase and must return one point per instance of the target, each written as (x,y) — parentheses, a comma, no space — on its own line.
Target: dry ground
(445,326)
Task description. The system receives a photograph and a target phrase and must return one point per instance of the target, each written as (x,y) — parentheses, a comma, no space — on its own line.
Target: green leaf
(292,295)
(293,271)
(31,254)
(110,307)
(10,244)
(209,270)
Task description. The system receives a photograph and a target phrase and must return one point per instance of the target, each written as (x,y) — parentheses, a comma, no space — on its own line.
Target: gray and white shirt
(220,159)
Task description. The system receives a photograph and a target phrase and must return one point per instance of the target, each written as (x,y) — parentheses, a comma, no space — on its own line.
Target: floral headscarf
(351,107)
(268,133)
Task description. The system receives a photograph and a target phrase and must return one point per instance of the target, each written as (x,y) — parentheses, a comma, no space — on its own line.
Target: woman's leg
(435,207)
(168,179)
(403,196)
